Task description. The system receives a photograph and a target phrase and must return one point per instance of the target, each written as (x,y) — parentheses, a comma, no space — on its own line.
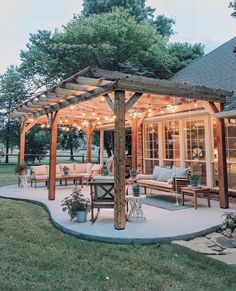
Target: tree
(36,144)
(184,54)
(232,5)
(136,8)
(70,140)
(12,92)
(113,41)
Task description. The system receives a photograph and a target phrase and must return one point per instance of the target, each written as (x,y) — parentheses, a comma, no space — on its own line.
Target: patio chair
(102,194)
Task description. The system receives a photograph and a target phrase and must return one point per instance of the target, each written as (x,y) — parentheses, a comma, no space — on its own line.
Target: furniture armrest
(144,177)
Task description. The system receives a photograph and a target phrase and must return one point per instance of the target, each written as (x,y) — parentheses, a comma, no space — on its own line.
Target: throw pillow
(165,174)
(180,172)
(156,173)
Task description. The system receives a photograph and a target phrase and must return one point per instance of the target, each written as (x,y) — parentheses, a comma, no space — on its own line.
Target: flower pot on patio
(136,190)
(65,171)
(195,181)
(81,216)
(133,173)
(77,205)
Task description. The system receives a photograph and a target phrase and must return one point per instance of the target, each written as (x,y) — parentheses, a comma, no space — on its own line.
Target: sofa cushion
(103,179)
(39,170)
(97,169)
(80,168)
(156,183)
(156,172)
(58,170)
(89,167)
(180,172)
(69,166)
(165,174)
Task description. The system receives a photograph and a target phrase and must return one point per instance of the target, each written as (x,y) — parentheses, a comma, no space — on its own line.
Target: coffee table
(74,178)
(195,192)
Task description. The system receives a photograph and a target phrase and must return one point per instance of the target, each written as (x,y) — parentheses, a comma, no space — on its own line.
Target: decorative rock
(214,235)
(227,232)
(226,242)
(234,234)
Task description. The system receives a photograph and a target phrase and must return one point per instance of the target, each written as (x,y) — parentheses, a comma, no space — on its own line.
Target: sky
(205,21)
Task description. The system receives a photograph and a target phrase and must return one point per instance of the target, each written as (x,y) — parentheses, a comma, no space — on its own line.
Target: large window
(171,143)
(195,147)
(151,148)
(230,151)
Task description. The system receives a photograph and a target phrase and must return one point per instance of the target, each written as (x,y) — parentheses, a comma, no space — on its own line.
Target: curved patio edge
(138,241)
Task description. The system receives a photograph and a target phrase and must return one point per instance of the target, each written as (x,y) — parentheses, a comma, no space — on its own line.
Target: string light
(93,113)
(83,113)
(42,126)
(72,106)
(103,98)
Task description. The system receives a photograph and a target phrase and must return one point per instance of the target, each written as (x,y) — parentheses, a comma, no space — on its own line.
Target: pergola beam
(132,100)
(109,101)
(162,87)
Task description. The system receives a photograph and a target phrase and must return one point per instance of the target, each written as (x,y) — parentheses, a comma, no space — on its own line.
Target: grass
(36,256)
(7,174)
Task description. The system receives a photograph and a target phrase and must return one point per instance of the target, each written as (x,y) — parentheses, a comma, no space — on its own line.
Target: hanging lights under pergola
(96,99)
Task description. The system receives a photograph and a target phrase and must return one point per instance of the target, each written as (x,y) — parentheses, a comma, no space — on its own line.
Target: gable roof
(217,69)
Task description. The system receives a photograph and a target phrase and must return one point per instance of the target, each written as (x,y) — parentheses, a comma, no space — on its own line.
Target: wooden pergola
(96,99)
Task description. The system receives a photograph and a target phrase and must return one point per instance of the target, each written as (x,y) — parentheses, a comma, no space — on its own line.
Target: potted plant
(65,170)
(136,190)
(195,181)
(77,205)
(133,173)
(21,169)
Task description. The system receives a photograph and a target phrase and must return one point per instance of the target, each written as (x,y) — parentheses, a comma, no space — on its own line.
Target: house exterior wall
(187,140)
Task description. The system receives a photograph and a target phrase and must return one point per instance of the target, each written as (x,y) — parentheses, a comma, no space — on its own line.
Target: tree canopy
(232,5)
(136,8)
(113,41)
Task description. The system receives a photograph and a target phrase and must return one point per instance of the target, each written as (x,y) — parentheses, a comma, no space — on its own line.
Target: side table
(23,180)
(136,213)
(195,192)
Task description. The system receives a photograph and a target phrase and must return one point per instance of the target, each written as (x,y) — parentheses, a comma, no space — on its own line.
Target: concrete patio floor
(160,224)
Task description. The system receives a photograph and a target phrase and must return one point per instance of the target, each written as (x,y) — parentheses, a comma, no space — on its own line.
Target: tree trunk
(107,145)
(7,141)
(71,153)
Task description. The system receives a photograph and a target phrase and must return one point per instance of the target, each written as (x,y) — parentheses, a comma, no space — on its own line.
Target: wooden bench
(178,183)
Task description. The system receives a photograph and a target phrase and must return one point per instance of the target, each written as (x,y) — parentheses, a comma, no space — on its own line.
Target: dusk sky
(205,21)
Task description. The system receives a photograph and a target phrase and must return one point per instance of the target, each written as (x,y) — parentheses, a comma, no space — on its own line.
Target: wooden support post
(134,130)
(53,157)
(22,144)
(24,128)
(119,161)
(222,163)
(101,146)
(89,142)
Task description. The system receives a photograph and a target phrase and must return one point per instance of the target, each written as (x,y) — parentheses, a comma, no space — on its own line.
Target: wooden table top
(197,190)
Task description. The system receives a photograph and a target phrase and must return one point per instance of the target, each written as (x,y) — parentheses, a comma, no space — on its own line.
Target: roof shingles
(217,69)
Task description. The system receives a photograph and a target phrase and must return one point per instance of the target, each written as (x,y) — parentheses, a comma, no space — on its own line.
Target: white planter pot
(81,216)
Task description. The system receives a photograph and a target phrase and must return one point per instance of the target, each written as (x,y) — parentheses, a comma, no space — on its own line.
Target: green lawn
(34,255)
(7,175)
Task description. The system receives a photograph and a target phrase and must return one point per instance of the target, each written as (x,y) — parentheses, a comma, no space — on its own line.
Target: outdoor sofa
(87,170)
(164,179)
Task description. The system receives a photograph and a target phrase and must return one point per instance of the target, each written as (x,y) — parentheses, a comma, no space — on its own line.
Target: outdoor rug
(164,202)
